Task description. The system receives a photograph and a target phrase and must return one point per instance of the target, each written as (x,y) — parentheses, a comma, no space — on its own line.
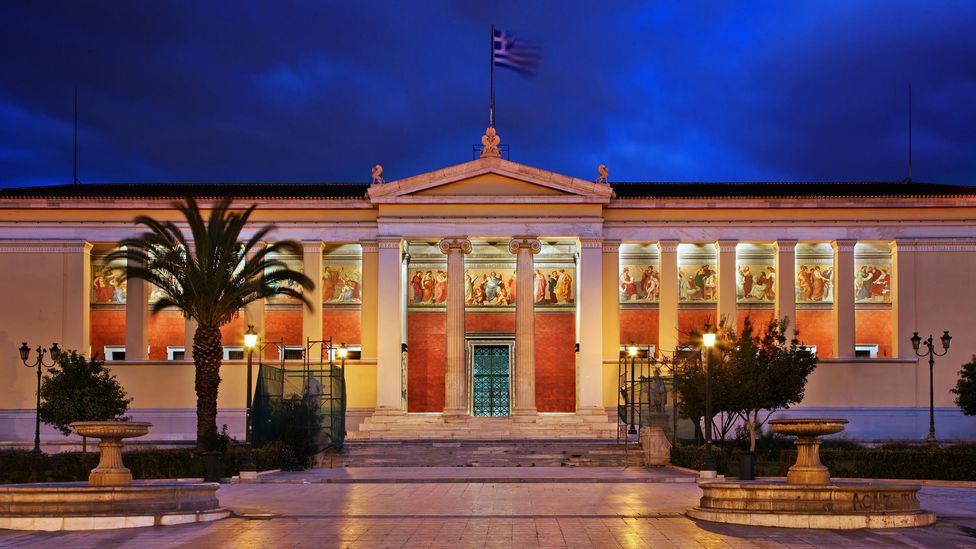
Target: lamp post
(632,353)
(343,352)
(931,353)
(248,467)
(39,363)
(708,341)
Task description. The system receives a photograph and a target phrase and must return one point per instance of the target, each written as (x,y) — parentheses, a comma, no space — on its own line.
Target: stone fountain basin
(805,427)
(836,505)
(78,506)
(111,429)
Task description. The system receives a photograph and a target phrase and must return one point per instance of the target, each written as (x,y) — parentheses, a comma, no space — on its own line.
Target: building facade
(503,292)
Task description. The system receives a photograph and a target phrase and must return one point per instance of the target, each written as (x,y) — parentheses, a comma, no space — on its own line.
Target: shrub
(297,426)
(78,389)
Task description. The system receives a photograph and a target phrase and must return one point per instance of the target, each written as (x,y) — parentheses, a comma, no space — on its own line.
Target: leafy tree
(78,389)
(965,388)
(210,282)
(772,373)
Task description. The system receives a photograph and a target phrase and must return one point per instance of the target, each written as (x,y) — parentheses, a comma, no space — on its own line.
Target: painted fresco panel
(295,264)
(426,286)
(755,283)
(107,285)
(698,283)
(815,281)
(872,280)
(492,286)
(639,283)
(342,282)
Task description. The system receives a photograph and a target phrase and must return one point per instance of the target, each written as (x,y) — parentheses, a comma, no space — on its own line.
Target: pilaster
(524,248)
(611,301)
(136,318)
(667,340)
(903,294)
(727,307)
(843,308)
(370,303)
(75,321)
(389,396)
(591,314)
(786,283)
(455,380)
(312,317)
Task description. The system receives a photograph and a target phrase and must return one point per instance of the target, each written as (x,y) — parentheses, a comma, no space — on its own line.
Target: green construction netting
(310,397)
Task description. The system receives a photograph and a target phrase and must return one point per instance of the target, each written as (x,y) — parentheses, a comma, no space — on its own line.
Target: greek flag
(514,54)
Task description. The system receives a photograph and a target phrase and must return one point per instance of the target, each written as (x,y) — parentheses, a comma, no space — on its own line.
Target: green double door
(491,386)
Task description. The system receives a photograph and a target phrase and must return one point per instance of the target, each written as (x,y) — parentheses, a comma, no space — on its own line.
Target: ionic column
(524,248)
(455,382)
(312,317)
(136,318)
(590,312)
(727,308)
(611,303)
(667,338)
(389,335)
(903,257)
(786,283)
(843,310)
(370,303)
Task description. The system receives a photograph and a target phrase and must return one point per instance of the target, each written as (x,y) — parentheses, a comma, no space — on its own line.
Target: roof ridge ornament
(604,172)
(489,143)
(378,175)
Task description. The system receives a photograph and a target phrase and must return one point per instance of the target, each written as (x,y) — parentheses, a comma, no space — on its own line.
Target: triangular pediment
(489,180)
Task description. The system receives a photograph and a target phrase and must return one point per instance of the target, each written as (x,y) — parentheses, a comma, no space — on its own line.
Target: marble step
(469,453)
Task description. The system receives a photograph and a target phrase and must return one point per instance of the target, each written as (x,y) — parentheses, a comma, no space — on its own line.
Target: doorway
(491,368)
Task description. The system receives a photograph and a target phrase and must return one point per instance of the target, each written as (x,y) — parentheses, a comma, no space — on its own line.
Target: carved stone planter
(110,470)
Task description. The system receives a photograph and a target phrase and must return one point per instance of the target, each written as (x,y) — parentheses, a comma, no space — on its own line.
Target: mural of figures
(755,283)
(427,287)
(815,283)
(294,264)
(341,283)
(872,282)
(698,283)
(639,284)
(490,286)
(107,286)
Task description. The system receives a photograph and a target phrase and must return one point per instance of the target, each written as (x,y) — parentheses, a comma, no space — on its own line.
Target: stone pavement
(400,475)
(466,513)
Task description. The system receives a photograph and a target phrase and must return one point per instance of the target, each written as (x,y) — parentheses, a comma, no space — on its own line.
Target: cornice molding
(45,246)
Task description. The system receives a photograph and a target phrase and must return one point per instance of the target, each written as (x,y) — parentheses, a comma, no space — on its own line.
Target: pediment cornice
(553,187)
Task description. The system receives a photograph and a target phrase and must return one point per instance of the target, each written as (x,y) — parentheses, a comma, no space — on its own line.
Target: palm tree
(210,282)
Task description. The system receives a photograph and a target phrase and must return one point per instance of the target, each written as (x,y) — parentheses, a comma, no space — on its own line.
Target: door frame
(470,343)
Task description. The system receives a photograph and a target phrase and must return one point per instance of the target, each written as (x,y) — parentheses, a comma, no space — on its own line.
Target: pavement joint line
(665,515)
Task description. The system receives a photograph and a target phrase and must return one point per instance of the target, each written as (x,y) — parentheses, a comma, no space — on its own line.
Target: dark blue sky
(316,91)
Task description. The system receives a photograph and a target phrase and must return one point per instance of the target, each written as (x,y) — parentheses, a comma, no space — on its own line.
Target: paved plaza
(501,507)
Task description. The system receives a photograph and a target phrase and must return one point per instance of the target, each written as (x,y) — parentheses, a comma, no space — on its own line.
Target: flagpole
(491,79)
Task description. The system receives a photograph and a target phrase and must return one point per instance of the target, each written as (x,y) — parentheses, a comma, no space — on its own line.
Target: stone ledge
(107,522)
(819,521)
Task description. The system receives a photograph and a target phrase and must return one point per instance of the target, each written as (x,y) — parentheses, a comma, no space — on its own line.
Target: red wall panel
(278,324)
(165,330)
(639,326)
(816,327)
(555,362)
(693,320)
(503,322)
(426,338)
(107,328)
(873,326)
(758,317)
(343,326)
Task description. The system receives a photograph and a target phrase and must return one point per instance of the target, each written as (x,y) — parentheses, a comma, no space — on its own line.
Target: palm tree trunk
(207,354)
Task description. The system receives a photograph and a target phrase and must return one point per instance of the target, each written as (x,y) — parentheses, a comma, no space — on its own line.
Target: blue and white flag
(514,54)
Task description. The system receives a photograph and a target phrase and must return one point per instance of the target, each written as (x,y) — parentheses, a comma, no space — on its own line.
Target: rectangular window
(865,350)
(114,352)
(233,353)
(175,353)
(354,352)
(644,350)
(812,349)
(293,353)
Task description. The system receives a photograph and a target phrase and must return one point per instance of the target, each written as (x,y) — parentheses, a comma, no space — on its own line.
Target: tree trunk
(207,354)
(752,431)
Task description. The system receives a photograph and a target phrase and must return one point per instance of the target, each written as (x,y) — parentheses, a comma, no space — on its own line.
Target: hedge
(21,466)
(895,462)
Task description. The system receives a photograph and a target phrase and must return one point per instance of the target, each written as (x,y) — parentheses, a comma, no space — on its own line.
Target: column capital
(525,242)
(668,246)
(611,246)
(369,246)
(726,245)
(844,245)
(457,244)
(591,242)
(388,242)
(785,244)
(312,246)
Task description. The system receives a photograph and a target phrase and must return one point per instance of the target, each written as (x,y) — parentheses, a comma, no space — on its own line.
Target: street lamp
(632,353)
(248,466)
(39,363)
(708,341)
(343,352)
(931,353)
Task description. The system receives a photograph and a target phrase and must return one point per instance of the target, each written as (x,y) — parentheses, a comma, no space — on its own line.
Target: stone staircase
(495,453)
(583,425)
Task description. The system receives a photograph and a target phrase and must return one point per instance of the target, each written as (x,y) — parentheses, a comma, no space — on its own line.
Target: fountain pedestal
(110,470)
(808,469)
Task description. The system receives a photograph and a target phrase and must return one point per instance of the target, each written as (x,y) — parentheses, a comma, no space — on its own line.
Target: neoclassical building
(492,299)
